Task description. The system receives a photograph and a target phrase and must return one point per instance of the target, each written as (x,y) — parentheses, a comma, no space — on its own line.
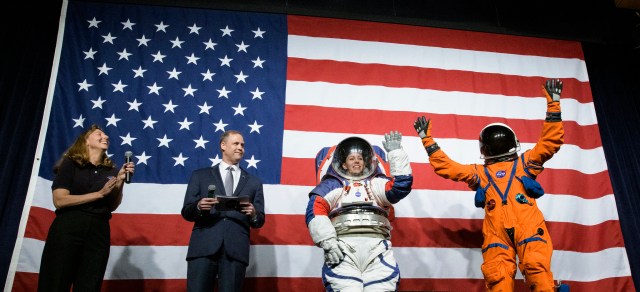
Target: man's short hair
(227,134)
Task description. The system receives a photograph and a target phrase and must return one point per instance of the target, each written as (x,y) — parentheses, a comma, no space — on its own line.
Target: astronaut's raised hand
(332,253)
(552,89)
(392,141)
(423,127)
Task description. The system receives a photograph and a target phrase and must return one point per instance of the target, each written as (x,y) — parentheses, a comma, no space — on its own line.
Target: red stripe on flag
(145,285)
(298,171)
(38,223)
(126,229)
(554,181)
(437,37)
(313,118)
(172,230)
(571,182)
(24,281)
(411,284)
(607,284)
(434,232)
(581,238)
(428,78)
(150,229)
(467,233)
(301,171)
(424,178)
(282,229)
(29,282)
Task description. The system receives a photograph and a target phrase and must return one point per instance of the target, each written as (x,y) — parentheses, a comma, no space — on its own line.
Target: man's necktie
(228,181)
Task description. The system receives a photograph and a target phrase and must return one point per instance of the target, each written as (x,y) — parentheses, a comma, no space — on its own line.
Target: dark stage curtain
(29,46)
(614,73)
(28,51)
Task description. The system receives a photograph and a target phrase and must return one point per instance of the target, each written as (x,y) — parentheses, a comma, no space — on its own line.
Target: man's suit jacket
(216,229)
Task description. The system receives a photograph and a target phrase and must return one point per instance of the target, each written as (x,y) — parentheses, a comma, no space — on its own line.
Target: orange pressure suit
(510,227)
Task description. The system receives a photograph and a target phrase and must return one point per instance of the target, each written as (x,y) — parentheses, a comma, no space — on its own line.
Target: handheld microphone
(127,159)
(211,191)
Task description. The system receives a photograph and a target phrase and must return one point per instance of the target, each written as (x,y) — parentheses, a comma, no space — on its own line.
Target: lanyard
(503,196)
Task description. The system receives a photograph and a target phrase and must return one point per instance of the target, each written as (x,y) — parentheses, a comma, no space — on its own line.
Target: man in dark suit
(219,245)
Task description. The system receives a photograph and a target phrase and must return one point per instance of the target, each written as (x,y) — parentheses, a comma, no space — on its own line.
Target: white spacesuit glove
(392,141)
(332,251)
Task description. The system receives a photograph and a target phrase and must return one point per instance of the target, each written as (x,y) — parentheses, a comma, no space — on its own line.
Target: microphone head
(212,188)
(128,154)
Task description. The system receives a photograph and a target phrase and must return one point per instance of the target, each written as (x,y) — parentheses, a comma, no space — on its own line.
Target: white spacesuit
(348,214)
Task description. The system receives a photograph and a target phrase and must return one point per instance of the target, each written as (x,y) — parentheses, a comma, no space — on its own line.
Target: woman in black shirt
(86,189)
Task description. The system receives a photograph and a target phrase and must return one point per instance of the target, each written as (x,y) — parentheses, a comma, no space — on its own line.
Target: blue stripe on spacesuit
(325,283)
(319,192)
(475,182)
(496,244)
(395,273)
(530,239)
(326,186)
(401,188)
(309,213)
(326,271)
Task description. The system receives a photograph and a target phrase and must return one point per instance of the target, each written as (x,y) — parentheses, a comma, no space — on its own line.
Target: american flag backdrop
(165,82)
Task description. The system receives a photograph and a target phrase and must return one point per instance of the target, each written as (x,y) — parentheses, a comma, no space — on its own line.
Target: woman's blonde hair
(78,153)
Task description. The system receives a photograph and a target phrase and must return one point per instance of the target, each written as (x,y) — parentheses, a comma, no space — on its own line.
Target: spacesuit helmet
(354,145)
(498,140)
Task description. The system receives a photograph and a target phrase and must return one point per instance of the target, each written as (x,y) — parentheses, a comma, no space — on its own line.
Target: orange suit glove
(423,128)
(551,90)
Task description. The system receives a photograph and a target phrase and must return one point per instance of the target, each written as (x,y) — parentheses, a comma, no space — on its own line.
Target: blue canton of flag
(165,83)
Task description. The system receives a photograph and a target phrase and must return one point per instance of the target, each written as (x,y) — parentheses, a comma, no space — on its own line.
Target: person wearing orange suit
(507,191)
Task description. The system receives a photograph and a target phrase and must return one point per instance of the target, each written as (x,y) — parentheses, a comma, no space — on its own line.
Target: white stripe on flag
(587,161)
(419,204)
(433,101)
(367,52)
